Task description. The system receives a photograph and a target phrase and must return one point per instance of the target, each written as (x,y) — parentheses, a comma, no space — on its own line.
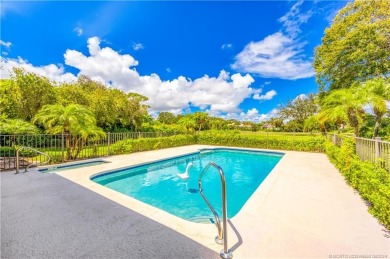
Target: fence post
(334,140)
(62,146)
(378,153)
(108,143)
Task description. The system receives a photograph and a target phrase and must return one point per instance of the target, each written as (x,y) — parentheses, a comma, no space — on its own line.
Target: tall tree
(217,123)
(188,122)
(356,47)
(73,93)
(35,92)
(166,118)
(299,110)
(9,98)
(201,119)
(378,93)
(75,121)
(138,110)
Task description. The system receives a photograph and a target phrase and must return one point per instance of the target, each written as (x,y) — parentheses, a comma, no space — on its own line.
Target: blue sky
(232,59)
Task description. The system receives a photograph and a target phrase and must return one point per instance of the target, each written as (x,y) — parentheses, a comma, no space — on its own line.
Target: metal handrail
(37,151)
(222,231)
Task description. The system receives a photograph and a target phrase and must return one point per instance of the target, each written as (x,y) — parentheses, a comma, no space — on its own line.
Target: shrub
(370,180)
(7,151)
(121,147)
(143,144)
(312,143)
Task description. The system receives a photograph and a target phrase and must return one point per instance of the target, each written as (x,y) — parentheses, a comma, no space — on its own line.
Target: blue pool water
(157,183)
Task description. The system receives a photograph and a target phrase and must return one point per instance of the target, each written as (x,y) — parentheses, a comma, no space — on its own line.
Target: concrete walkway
(47,216)
(303,209)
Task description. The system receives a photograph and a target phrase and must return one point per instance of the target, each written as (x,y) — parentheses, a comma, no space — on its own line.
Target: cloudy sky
(232,59)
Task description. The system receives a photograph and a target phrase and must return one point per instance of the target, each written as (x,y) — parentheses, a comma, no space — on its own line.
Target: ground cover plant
(370,180)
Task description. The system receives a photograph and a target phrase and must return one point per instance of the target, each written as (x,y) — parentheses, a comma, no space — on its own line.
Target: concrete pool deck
(303,209)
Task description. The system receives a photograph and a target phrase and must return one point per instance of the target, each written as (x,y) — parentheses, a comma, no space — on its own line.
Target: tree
(73,94)
(166,118)
(276,123)
(299,110)
(312,124)
(344,105)
(76,122)
(356,47)
(9,98)
(188,122)
(137,110)
(34,92)
(378,93)
(113,108)
(217,123)
(201,118)
(16,126)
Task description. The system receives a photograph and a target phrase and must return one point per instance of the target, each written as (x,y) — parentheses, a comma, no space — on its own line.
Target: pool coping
(46,169)
(201,233)
(243,228)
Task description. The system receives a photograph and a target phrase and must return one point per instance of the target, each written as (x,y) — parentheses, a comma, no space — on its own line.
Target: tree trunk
(378,121)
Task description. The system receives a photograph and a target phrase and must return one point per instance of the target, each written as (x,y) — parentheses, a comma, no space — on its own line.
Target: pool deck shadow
(238,236)
(48,216)
(303,209)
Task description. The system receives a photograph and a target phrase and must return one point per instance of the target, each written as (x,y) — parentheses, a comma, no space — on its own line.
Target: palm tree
(76,122)
(16,126)
(201,118)
(344,105)
(188,122)
(378,93)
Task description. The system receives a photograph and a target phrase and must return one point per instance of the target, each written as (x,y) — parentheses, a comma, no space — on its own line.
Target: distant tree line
(352,67)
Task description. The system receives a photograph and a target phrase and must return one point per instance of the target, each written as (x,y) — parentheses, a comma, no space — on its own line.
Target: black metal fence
(61,148)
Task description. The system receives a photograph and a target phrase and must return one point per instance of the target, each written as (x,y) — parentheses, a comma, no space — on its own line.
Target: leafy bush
(122,147)
(143,144)
(11,152)
(312,143)
(7,151)
(372,181)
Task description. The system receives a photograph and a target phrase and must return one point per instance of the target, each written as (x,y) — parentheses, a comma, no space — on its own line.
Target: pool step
(202,219)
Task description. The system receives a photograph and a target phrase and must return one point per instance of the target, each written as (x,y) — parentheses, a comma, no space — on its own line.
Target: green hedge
(231,138)
(143,144)
(372,181)
(11,152)
(312,143)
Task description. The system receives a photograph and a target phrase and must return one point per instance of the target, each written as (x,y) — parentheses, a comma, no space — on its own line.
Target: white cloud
(294,18)
(168,70)
(78,30)
(5,44)
(301,97)
(222,94)
(138,46)
(53,72)
(251,115)
(264,97)
(227,46)
(279,55)
(267,82)
(4,53)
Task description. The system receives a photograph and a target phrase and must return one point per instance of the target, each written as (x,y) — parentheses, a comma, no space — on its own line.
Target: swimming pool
(158,184)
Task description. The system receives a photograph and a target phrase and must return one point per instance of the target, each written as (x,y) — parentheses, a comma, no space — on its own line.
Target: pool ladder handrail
(222,230)
(37,151)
